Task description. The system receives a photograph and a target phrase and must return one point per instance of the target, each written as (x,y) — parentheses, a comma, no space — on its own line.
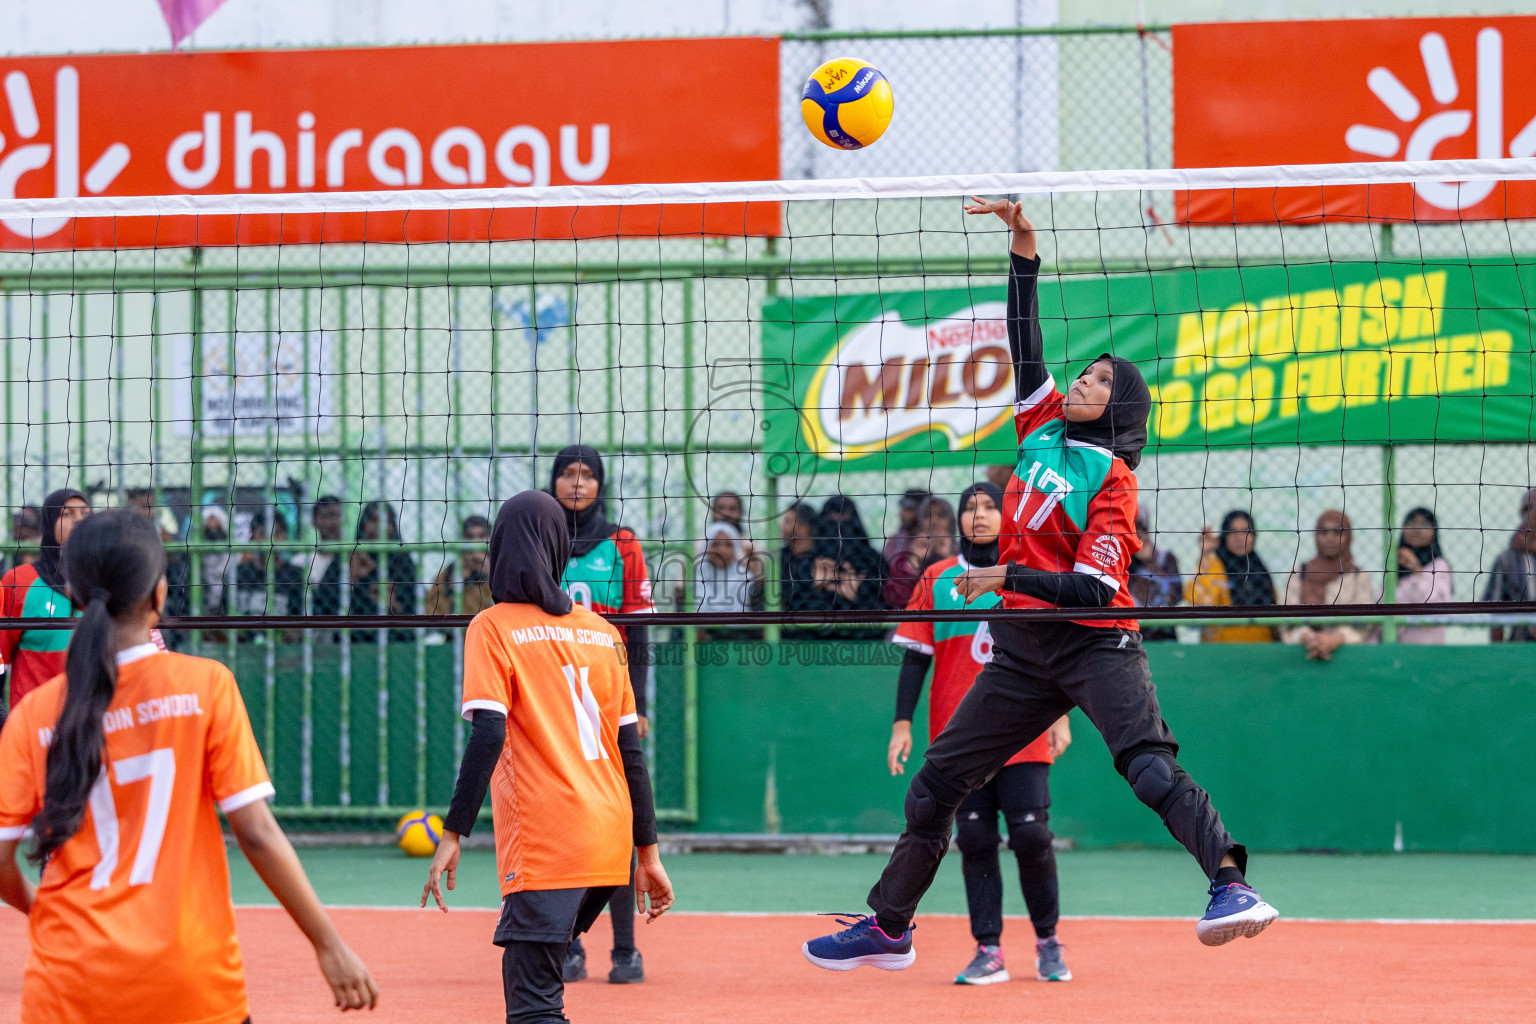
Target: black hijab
(1425,555)
(979,555)
(589,527)
(1122,426)
(48,560)
(1248,579)
(846,540)
(528,551)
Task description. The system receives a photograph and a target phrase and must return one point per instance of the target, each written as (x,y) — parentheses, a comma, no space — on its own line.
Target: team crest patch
(1106,551)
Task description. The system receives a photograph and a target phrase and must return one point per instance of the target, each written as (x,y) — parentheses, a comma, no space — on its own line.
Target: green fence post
(773,589)
(1389,518)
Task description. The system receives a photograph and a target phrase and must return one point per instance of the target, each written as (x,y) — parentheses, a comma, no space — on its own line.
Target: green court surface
(1129,883)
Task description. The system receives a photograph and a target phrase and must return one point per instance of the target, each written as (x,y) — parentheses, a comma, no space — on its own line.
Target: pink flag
(183,16)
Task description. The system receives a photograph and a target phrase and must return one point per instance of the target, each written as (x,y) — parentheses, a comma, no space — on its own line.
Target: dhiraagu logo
(1425,133)
(889,380)
(63,152)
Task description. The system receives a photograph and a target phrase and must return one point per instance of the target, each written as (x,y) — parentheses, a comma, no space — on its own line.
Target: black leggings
(1021,793)
(1038,672)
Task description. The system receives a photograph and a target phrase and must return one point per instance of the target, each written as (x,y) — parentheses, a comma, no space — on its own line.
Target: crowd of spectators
(827,566)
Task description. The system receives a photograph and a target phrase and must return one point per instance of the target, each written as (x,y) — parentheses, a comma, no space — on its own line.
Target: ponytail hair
(113,562)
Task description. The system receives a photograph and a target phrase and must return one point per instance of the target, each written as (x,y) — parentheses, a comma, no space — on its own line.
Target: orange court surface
(747,969)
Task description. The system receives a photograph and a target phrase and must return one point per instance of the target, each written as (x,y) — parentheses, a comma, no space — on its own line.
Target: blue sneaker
(861,944)
(1235,911)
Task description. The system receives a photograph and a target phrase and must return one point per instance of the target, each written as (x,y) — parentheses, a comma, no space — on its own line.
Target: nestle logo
(864,80)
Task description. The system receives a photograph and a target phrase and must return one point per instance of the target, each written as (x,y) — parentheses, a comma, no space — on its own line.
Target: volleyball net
(322,399)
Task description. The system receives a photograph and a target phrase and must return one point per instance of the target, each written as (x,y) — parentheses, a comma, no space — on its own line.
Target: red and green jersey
(959,649)
(1069,507)
(611,577)
(31,656)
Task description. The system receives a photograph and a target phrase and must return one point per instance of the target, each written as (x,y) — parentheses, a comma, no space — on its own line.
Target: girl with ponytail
(118,768)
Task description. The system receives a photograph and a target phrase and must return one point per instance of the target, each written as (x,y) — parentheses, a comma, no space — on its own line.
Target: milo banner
(1317,353)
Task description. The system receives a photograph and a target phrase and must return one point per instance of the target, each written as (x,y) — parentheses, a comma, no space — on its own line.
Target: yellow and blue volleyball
(418,833)
(847,103)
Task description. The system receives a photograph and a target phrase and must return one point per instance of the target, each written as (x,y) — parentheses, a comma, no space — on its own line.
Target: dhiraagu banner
(1306,353)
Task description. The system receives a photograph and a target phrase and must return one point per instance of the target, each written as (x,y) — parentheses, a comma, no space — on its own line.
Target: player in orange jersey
(556,740)
(119,767)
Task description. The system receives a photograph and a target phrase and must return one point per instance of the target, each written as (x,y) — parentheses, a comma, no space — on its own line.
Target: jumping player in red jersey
(1068,536)
(1020,791)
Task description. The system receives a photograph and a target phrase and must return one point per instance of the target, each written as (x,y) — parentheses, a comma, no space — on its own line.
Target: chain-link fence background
(226,389)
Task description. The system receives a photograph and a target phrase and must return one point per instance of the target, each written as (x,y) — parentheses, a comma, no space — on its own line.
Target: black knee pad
(1156,778)
(932,799)
(976,834)
(1029,833)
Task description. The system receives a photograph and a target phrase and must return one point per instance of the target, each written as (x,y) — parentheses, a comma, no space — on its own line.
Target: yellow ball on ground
(847,103)
(418,833)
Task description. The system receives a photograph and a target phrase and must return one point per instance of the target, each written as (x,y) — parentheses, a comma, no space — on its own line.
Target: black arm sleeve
(1062,589)
(486,738)
(1024,339)
(641,801)
(909,685)
(637,648)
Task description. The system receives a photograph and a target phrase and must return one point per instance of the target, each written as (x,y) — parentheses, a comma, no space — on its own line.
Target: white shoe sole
(987,979)
(884,961)
(1244,925)
(1063,976)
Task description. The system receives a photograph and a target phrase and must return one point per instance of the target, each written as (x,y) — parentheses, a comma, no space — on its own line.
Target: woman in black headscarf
(379,523)
(37,591)
(606,572)
(561,770)
(1068,534)
(1232,573)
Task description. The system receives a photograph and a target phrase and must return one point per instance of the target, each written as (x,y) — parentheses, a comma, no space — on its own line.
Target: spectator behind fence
(393,593)
(1329,577)
(1423,574)
(216,565)
(726,580)
(178,568)
(858,569)
(1154,580)
(1231,573)
(999,476)
(899,543)
(805,568)
(27,533)
(1513,576)
(37,591)
(472,566)
(322,573)
(932,540)
(727,508)
(255,567)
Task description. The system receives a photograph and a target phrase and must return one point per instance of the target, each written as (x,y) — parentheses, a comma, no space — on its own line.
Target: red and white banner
(406,117)
(1300,92)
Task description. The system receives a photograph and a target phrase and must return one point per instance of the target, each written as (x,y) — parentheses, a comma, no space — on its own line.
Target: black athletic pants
(1039,671)
(1022,794)
(534,932)
(621,908)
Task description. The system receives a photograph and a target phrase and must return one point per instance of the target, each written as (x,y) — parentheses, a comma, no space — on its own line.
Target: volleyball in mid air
(418,833)
(847,103)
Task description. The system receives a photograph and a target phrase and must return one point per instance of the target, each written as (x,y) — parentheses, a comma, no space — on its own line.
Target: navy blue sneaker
(1235,911)
(861,944)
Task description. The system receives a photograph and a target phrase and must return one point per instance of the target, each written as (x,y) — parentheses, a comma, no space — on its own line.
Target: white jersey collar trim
(129,655)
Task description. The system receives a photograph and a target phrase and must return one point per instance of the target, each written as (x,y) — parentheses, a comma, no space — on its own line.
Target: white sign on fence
(257,383)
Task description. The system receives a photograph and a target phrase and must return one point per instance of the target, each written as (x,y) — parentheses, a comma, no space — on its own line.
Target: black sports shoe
(575,966)
(628,968)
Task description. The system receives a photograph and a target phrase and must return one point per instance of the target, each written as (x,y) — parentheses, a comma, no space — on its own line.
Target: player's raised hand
(351,984)
(1012,213)
(444,862)
(651,882)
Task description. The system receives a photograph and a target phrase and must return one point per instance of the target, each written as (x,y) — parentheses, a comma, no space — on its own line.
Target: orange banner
(1300,92)
(405,117)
